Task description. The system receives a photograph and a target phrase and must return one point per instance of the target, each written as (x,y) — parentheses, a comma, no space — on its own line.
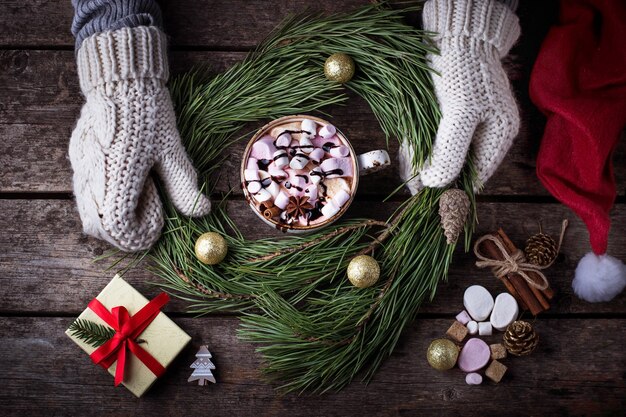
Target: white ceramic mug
(297,180)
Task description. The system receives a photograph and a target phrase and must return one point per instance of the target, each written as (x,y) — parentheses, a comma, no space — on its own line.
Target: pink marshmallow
(463,317)
(317,155)
(276,172)
(337,167)
(474,355)
(263,148)
(253,164)
(319,141)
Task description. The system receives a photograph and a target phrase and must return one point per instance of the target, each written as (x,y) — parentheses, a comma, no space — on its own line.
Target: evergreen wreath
(315,330)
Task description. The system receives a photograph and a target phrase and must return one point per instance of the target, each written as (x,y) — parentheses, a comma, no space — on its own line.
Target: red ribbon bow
(127,329)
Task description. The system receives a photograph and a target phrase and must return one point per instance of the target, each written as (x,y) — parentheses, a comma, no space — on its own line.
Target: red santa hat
(579,83)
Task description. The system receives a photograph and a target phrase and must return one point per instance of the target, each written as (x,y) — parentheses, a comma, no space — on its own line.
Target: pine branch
(91,333)
(315,330)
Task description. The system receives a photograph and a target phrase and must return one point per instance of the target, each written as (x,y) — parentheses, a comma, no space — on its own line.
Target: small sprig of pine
(91,333)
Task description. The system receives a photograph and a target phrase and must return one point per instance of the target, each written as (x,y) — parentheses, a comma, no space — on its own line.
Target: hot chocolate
(300,174)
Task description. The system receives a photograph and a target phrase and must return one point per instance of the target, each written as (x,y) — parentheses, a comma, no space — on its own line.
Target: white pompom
(599,278)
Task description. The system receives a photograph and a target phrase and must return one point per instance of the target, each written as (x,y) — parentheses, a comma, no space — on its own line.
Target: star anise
(297,206)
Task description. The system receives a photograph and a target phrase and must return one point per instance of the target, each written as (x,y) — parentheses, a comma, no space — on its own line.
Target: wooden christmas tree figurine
(202,367)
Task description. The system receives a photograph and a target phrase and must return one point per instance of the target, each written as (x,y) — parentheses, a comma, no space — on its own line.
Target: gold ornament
(520,338)
(339,68)
(211,248)
(442,354)
(363,271)
(454,206)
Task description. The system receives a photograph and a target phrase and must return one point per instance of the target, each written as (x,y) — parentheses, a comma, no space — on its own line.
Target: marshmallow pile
(481,315)
(299,174)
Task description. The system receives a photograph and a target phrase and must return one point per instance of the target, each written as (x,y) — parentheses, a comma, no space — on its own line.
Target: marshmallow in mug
(281,159)
(340,151)
(264,148)
(299,161)
(283,140)
(317,155)
(276,172)
(309,130)
(327,131)
(337,167)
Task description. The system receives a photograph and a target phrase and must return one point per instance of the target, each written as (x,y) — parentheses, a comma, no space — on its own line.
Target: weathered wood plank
(40,101)
(46,263)
(210,23)
(43,370)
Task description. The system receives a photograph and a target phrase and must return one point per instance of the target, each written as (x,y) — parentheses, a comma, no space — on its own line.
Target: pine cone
(454,207)
(520,338)
(540,249)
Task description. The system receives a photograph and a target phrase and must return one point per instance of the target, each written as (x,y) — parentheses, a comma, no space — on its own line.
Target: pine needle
(93,334)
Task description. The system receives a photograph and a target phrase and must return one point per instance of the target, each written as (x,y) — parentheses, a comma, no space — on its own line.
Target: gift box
(145,352)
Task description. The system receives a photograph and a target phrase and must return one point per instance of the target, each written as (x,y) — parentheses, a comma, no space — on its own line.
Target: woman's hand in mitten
(477,104)
(126,128)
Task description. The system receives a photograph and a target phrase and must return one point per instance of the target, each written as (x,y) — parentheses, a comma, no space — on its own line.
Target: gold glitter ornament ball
(363,271)
(211,248)
(442,354)
(339,68)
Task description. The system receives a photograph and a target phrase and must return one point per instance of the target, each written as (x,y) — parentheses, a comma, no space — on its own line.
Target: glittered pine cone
(454,206)
(541,249)
(520,338)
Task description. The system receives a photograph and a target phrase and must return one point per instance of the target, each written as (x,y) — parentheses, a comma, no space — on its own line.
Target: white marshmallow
(505,311)
(340,151)
(478,302)
(472,327)
(273,188)
(311,192)
(327,131)
(281,201)
(299,161)
(254,187)
(484,328)
(281,159)
(262,196)
(310,126)
(317,155)
(251,174)
(330,209)
(341,198)
(315,179)
(283,140)
(306,146)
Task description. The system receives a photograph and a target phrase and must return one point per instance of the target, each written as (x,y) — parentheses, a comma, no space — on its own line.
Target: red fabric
(127,329)
(579,83)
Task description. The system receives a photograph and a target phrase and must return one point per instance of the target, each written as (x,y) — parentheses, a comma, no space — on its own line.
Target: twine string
(514,263)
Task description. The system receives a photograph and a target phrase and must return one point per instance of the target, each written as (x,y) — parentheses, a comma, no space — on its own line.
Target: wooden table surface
(47,273)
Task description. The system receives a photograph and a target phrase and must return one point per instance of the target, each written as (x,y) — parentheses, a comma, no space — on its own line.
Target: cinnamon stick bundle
(529,297)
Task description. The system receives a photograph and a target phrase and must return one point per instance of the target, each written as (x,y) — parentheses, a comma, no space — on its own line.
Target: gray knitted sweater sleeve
(93,16)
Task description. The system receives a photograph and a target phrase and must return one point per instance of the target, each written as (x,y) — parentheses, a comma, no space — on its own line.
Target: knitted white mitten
(472,89)
(126,128)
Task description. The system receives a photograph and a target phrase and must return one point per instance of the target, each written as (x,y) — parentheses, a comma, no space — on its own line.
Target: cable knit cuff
(488,21)
(122,54)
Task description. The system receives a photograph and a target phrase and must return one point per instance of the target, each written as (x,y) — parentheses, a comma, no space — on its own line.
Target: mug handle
(373,161)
